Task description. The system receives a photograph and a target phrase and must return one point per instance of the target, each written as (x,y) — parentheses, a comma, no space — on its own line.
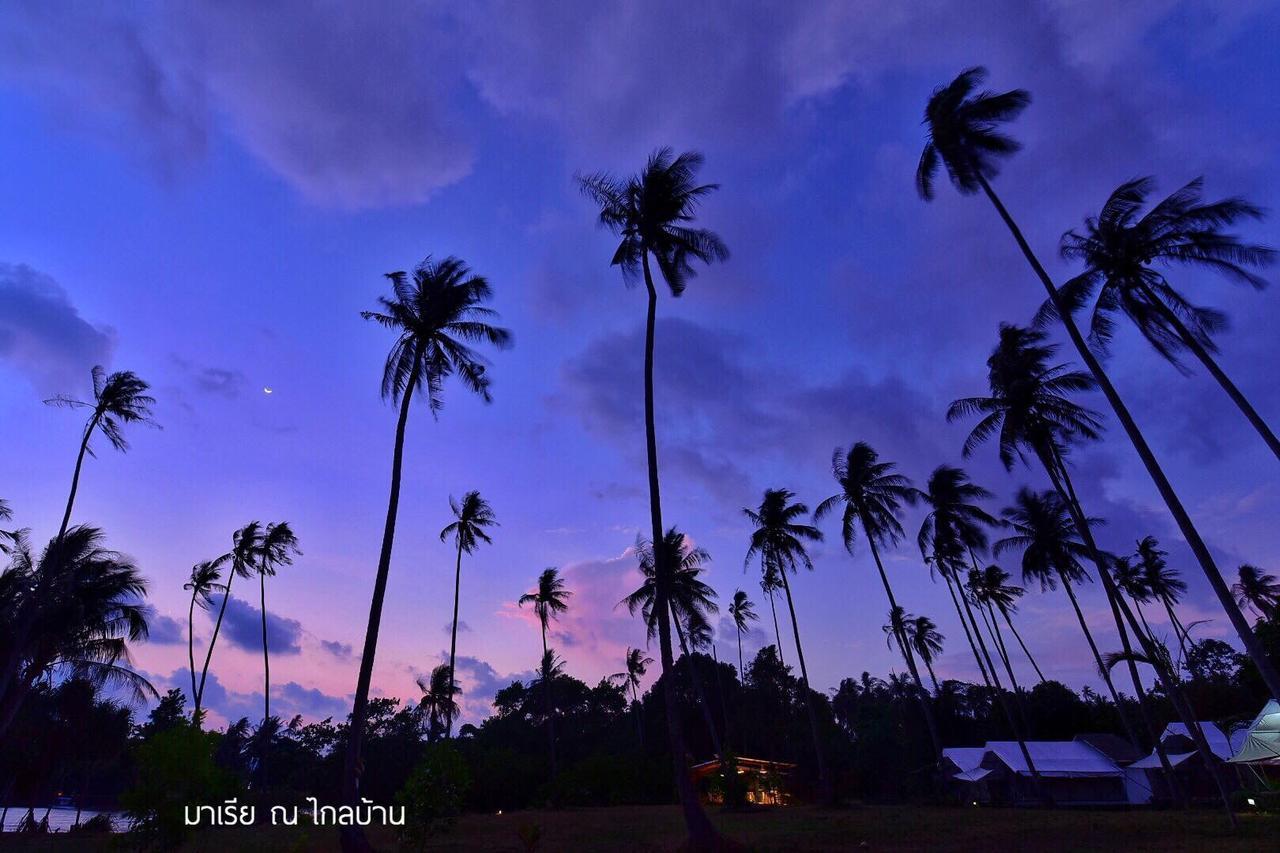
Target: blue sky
(208,195)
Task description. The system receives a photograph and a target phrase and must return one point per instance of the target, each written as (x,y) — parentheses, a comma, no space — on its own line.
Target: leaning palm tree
(1257,590)
(118,399)
(743,612)
(1132,582)
(277,547)
(965,137)
(437,314)
(921,633)
(205,580)
(471,517)
(246,544)
(652,213)
(1164,584)
(991,587)
(1119,248)
(549,600)
(636,665)
(437,703)
(871,496)
(779,540)
(770,583)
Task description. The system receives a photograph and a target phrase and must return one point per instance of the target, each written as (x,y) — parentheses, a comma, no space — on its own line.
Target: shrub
(175,769)
(432,798)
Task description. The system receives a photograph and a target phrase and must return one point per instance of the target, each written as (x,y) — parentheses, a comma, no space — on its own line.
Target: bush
(432,798)
(175,770)
(99,823)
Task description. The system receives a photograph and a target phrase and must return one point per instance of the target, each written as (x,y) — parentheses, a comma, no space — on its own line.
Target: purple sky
(209,197)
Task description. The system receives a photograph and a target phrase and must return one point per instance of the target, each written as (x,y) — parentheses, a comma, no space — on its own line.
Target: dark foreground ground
(658,828)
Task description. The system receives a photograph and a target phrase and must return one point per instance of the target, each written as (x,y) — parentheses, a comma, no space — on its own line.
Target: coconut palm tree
(437,703)
(82,624)
(549,600)
(770,583)
(991,587)
(437,313)
(204,582)
(921,633)
(871,496)
(277,547)
(1257,590)
(1131,580)
(636,665)
(653,213)
(1119,249)
(118,399)
(779,540)
(471,517)
(743,612)
(246,543)
(1164,584)
(965,137)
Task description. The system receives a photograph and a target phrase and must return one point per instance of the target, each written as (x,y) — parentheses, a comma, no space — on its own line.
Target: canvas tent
(1260,743)
(1074,773)
(1189,766)
(964,774)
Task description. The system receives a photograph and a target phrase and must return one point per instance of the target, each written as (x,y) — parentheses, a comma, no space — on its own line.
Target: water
(60,819)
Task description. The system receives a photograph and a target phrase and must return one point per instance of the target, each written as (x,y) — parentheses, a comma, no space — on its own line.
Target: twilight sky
(208,194)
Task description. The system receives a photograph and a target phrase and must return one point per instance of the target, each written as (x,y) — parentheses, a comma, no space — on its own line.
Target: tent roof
(965,757)
(1058,758)
(1218,742)
(1261,742)
(1113,746)
(1152,761)
(974,775)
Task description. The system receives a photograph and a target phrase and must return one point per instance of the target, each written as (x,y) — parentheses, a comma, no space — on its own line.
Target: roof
(1218,742)
(744,764)
(975,775)
(1056,758)
(1112,746)
(965,757)
(1260,743)
(1152,761)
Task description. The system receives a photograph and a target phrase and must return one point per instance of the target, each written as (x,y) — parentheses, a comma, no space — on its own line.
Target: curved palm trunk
(548,704)
(776,633)
(824,782)
(453,638)
(1009,621)
(742,675)
(1270,676)
(208,655)
(905,648)
(75,477)
(638,709)
(353,838)
(964,623)
(702,835)
(703,704)
(1093,648)
(191,644)
(266,679)
(1179,631)
(929,666)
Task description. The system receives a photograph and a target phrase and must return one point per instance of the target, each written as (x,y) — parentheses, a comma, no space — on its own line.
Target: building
(767,783)
(1073,773)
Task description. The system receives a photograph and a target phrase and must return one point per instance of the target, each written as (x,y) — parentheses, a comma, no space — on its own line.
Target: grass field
(792,830)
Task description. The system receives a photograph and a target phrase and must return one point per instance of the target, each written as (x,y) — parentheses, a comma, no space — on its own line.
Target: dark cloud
(463,627)
(220,381)
(42,333)
(342,651)
(287,700)
(165,630)
(479,682)
(242,626)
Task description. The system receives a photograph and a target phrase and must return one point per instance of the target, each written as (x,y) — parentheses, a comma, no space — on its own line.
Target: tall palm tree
(743,612)
(779,540)
(204,582)
(471,517)
(245,546)
(1119,248)
(277,548)
(1164,584)
(770,583)
(118,399)
(437,703)
(921,633)
(549,600)
(1131,580)
(1257,590)
(965,137)
(871,496)
(652,214)
(689,600)
(636,664)
(991,587)
(437,314)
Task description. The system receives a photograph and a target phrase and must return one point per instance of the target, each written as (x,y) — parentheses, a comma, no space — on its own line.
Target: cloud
(463,627)
(287,700)
(342,651)
(42,333)
(479,682)
(242,626)
(165,630)
(220,381)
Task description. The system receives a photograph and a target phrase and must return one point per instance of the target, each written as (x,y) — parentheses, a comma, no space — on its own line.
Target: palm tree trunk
(453,637)
(776,633)
(932,677)
(702,835)
(724,705)
(742,675)
(208,655)
(984,609)
(1211,364)
(698,691)
(824,782)
(1270,676)
(548,703)
(353,838)
(191,644)
(964,623)
(1178,631)
(1008,621)
(266,679)
(1093,647)
(639,712)
(75,477)
(905,648)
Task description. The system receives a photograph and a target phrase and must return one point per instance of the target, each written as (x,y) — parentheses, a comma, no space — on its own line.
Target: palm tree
(1131,580)
(91,610)
(779,539)
(921,633)
(437,313)
(118,399)
(471,517)
(689,600)
(964,136)
(871,496)
(743,612)
(990,586)
(246,543)
(277,547)
(437,703)
(1120,246)
(1258,591)
(549,600)
(636,665)
(204,582)
(770,583)
(652,212)
(1163,583)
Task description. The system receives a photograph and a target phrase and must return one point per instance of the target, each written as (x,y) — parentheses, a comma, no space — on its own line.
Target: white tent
(1261,741)
(1068,759)
(1177,733)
